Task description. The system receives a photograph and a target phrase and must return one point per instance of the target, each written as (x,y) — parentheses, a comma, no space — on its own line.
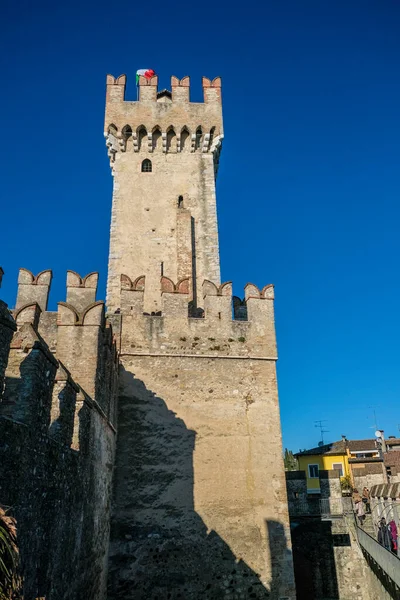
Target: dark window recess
(162,269)
(180,201)
(146,166)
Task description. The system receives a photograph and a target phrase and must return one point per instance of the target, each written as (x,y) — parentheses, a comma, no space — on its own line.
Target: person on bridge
(365,499)
(393,530)
(359,506)
(384,535)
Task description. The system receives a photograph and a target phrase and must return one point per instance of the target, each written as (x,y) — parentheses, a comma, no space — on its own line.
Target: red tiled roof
(359,445)
(333,448)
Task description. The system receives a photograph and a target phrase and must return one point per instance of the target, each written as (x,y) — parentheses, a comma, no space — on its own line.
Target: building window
(296,495)
(146,166)
(338,467)
(313,471)
(180,201)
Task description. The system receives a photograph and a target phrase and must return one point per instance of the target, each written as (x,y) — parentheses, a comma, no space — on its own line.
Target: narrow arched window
(185,142)
(171,140)
(126,132)
(156,137)
(212,133)
(180,201)
(141,136)
(146,166)
(199,134)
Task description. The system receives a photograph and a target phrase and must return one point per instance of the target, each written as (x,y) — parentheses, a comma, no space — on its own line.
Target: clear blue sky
(308,189)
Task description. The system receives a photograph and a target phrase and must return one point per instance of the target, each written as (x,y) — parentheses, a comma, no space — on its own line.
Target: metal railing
(387,561)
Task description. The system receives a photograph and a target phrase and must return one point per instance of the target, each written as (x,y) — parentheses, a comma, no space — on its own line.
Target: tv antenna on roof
(320,426)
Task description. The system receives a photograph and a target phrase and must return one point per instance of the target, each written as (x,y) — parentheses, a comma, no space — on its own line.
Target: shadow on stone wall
(160,547)
(50,491)
(314,560)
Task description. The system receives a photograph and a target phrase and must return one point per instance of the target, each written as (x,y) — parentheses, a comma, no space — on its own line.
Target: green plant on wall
(345,483)
(290,461)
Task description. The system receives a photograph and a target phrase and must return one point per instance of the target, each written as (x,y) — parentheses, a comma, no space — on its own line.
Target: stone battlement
(223,326)
(77,342)
(58,401)
(163,121)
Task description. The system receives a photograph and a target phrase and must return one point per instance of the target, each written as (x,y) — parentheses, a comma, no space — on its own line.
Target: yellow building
(327,457)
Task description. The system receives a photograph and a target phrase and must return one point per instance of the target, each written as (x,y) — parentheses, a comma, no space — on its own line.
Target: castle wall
(200,452)
(57,451)
(368,475)
(199,481)
(7,328)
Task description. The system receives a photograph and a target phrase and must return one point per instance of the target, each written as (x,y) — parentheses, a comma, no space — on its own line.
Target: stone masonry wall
(368,475)
(146,220)
(57,453)
(199,442)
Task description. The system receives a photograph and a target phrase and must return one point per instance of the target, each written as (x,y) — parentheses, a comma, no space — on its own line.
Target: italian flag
(148,73)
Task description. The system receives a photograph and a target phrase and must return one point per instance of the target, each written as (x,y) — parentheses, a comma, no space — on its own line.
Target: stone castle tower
(140,445)
(164,154)
(200,504)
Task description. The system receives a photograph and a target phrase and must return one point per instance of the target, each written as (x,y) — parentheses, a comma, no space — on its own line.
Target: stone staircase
(368,526)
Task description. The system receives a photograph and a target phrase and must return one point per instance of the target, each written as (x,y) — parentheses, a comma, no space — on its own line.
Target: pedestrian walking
(384,534)
(366,500)
(358,506)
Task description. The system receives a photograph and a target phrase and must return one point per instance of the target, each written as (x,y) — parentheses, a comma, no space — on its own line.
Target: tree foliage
(290,461)
(10,583)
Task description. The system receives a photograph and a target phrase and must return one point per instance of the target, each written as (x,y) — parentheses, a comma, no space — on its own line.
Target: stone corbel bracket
(135,142)
(206,142)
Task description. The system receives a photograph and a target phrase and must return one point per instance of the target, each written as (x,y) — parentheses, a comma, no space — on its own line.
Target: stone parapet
(212,333)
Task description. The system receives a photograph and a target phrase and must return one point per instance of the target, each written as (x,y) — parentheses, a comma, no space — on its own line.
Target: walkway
(386,560)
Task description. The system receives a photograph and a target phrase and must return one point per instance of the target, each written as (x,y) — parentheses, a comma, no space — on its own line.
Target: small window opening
(212,133)
(199,134)
(185,142)
(338,467)
(171,140)
(162,269)
(157,138)
(141,136)
(180,202)
(146,166)
(126,132)
(219,315)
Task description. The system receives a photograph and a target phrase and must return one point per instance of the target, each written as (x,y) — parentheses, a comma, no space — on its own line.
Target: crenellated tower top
(169,115)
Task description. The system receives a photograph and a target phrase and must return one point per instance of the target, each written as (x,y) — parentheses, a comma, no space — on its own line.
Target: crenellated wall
(199,463)
(57,428)
(213,332)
